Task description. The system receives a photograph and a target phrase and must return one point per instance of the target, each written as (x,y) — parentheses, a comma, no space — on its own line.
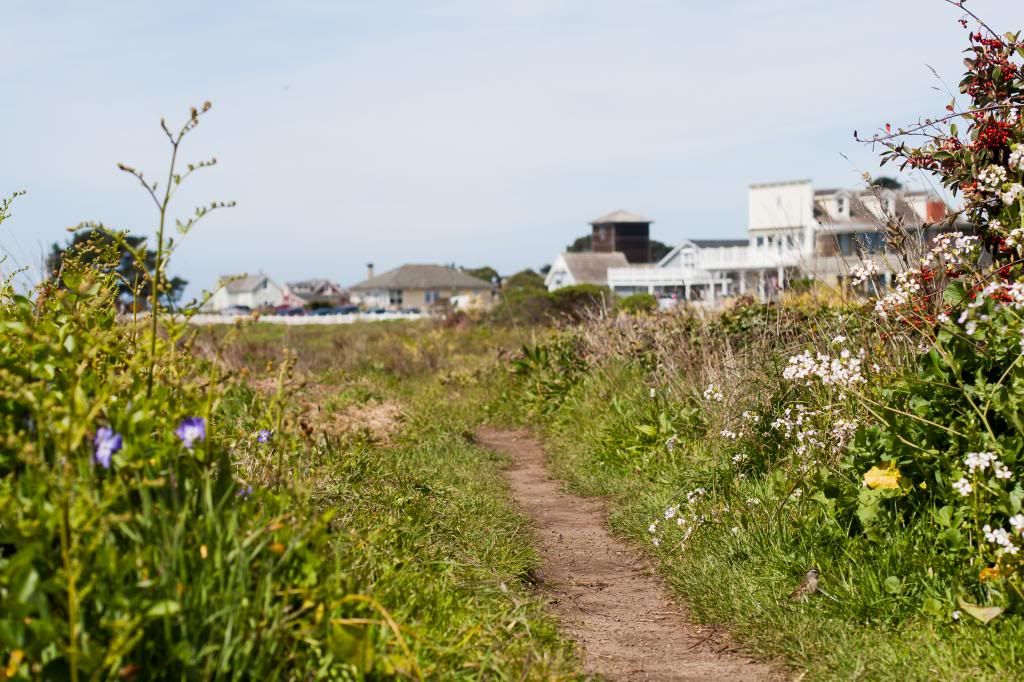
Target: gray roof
(620,216)
(422,277)
(313,286)
(236,284)
(712,243)
(592,268)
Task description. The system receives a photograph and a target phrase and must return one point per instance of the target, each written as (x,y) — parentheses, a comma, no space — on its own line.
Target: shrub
(637,303)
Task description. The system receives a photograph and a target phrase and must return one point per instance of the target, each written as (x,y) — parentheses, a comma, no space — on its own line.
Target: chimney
(936,210)
(369,271)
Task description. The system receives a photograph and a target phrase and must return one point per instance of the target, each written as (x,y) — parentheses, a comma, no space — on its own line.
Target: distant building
(249,291)
(622,232)
(419,286)
(583,268)
(321,292)
(793,232)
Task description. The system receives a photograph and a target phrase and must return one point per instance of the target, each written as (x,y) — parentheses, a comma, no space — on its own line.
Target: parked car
(289,310)
(236,310)
(411,311)
(377,311)
(347,309)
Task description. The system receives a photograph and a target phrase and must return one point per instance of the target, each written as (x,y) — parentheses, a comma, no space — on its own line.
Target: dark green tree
(486,273)
(886,182)
(109,253)
(525,279)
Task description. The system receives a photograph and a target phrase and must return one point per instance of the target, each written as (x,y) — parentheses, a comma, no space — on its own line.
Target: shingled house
(247,291)
(420,286)
(583,268)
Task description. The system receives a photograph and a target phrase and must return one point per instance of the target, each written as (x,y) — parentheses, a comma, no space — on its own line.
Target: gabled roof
(235,284)
(422,277)
(592,268)
(620,216)
(313,286)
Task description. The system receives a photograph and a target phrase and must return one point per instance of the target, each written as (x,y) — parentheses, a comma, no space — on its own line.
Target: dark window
(395,296)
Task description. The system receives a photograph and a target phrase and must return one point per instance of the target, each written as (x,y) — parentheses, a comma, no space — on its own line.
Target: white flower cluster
(863,272)
(964,487)
(676,512)
(981,461)
(712,393)
(991,179)
(1013,193)
(1000,537)
(951,248)
(908,283)
(731,435)
(1017,158)
(739,459)
(843,371)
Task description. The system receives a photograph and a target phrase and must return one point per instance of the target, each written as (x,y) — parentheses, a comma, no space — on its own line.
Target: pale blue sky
(468,131)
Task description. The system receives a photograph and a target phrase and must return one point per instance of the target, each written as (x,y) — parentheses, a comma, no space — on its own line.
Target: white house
(249,291)
(793,232)
(583,268)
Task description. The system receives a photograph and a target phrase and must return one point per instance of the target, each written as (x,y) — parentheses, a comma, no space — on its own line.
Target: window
(841,206)
(395,296)
(760,241)
(430,297)
(887,206)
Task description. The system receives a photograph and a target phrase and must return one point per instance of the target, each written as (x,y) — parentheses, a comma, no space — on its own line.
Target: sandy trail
(606,596)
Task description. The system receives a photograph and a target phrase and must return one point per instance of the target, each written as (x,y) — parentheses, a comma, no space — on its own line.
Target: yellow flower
(889,477)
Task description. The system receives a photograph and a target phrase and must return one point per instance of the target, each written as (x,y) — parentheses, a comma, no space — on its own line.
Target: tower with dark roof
(625,232)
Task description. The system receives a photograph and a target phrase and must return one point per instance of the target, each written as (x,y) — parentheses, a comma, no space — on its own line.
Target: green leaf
(985,614)
(893,584)
(647,429)
(168,607)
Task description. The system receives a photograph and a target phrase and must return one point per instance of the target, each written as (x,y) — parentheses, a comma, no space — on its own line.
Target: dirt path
(606,596)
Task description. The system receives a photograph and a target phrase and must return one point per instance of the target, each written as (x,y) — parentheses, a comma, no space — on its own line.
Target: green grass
(425,523)
(741,579)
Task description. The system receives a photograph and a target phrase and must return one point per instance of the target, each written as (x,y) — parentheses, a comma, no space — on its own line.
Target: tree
(108,253)
(525,279)
(885,182)
(486,273)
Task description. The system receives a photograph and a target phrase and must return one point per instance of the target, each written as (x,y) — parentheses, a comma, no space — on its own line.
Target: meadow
(278,502)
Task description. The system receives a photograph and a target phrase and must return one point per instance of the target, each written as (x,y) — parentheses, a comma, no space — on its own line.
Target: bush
(637,303)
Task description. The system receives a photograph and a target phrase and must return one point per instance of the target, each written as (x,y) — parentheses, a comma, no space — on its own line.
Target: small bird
(807,587)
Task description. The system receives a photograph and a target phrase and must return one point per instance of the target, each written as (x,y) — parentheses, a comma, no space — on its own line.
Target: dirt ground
(606,596)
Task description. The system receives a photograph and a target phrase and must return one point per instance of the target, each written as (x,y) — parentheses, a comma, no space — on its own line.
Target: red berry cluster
(990,54)
(993,134)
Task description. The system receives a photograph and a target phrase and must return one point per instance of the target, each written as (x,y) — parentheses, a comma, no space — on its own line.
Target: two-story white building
(794,232)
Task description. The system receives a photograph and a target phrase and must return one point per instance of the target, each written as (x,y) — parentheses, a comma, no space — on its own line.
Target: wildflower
(731,435)
(1017,522)
(656,541)
(942,318)
(979,461)
(244,491)
(712,393)
(956,616)
(106,443)
(652,392)
(671,512)
(1016,161)
(735,530)
(963,486)
(264,435)
(991,179)
(739,459)
(653,528)
(190,430)
(670,444)
(1011,195)
(863,272)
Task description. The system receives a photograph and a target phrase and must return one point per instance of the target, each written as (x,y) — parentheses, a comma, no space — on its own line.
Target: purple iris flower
(264,435)
(106,443)
(190,430)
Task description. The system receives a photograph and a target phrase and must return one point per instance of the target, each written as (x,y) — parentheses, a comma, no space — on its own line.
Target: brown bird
(807,587)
